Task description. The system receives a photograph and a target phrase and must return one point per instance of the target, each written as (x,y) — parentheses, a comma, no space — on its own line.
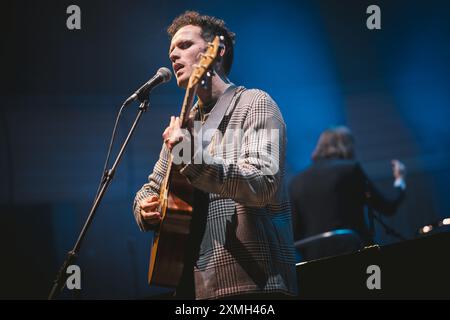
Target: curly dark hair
(211,27)
(336,142)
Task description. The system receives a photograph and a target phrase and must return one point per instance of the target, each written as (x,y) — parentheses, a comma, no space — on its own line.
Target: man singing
(242,241)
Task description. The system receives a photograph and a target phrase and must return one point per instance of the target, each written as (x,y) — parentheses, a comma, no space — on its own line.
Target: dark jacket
(331,194)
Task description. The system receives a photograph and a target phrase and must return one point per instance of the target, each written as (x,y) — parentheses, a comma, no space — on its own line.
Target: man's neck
(217,86)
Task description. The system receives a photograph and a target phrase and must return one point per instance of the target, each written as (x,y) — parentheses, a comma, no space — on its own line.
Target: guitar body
(169,242)
(176,198)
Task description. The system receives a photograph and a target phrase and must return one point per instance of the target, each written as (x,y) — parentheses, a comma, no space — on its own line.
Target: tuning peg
(206,79)
(204,84)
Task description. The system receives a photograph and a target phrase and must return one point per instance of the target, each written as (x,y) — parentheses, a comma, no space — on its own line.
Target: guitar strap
(201,198)
(216,115)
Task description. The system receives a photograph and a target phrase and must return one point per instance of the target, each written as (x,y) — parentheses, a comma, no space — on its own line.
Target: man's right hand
(398,169)
(149,211)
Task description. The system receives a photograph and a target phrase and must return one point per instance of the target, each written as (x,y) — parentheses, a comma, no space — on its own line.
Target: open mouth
(177,67)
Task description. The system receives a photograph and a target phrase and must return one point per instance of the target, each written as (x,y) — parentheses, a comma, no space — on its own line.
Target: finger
(149,205)
(151,215)
(172,121)
(151,198)
(165,134)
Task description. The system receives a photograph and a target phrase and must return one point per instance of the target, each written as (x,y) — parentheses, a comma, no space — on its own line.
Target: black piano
(413,269)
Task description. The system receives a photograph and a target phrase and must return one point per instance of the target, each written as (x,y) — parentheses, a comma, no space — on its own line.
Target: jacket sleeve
(385,202)
(151,188)
(254,177)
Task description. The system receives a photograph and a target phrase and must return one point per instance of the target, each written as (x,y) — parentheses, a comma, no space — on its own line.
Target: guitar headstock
(206,61)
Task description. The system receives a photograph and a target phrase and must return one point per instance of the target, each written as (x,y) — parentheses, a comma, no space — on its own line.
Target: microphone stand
(61,277)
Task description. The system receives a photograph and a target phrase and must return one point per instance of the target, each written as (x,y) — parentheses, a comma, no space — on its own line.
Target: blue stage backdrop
(61,89)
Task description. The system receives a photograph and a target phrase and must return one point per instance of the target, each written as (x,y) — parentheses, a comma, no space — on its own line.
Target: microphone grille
(165,73)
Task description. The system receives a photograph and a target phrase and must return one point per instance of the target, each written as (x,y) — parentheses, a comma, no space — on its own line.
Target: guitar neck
(187,104)
(184,114)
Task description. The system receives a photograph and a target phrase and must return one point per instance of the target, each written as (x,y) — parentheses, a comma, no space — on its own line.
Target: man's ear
(222,51)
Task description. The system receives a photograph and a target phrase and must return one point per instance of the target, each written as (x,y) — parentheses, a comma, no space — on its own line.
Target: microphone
(162,75)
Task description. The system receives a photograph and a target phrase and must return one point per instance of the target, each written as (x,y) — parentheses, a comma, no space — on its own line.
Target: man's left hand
(173,133)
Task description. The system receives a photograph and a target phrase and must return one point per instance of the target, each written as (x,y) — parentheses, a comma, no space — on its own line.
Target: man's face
(185,48)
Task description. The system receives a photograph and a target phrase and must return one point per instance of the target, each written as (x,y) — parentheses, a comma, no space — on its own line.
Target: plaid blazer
(247,244)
